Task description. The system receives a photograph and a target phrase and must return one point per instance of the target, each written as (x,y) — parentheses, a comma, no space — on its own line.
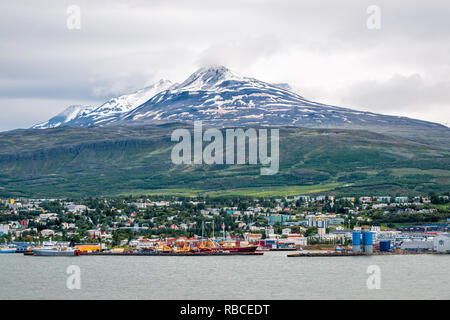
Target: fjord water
(271,276)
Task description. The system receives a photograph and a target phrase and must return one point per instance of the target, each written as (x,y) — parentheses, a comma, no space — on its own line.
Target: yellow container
(88,247)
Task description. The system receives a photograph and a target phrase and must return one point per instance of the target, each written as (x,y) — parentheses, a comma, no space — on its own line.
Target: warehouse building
(417,245)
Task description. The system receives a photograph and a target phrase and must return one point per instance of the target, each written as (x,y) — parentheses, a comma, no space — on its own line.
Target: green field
(244,192)
(274,191)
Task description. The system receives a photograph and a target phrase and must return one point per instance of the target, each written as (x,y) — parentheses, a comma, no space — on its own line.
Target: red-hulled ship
(235,247)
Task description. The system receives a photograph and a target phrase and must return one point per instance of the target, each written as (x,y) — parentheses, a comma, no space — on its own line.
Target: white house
(76,208)
(47,232)
(4,229)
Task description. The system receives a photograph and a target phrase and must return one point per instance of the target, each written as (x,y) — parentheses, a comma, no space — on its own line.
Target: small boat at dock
(8,249)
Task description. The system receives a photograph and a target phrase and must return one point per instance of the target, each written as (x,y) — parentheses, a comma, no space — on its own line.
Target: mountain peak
(213,68)
(209,77)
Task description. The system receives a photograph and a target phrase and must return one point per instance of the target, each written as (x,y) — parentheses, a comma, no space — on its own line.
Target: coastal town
(321,223)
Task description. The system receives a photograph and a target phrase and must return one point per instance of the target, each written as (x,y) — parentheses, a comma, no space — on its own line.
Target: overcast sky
(321,48)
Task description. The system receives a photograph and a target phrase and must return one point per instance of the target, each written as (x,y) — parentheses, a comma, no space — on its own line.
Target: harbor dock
(327,254)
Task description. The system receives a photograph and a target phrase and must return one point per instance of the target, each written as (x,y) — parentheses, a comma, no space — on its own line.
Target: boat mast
(203,229)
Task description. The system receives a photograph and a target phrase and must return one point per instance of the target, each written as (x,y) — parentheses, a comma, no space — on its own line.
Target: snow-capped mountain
(218,96)
(107,112)
(69,114)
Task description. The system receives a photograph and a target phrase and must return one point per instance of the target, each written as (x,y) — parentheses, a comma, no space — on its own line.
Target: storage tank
(367,239)
(385,245)
(356,241)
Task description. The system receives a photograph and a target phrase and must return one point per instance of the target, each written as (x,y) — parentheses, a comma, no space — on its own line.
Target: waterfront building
(269,232)
(252,237)
(297,239)
(385,245)
(417,245)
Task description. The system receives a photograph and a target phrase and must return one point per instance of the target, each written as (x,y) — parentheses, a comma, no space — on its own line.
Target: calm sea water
(271,276)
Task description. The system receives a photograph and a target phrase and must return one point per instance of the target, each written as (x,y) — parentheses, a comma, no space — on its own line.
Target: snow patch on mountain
(66,116)
(117,106)
(107,112)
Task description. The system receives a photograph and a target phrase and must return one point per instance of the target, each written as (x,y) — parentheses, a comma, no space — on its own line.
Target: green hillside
(136,160)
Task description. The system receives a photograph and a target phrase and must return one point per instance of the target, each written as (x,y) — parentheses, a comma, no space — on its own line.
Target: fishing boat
(56,251)
(185,249)
(212,246)
(240,249)
(8,249)
(163,248)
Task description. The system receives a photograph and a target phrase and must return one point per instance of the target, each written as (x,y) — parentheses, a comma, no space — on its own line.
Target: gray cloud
(240,53)
(403,95)
(322,48)
(406,92)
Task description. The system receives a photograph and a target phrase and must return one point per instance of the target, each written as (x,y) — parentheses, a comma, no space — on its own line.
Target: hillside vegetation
(136,160)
